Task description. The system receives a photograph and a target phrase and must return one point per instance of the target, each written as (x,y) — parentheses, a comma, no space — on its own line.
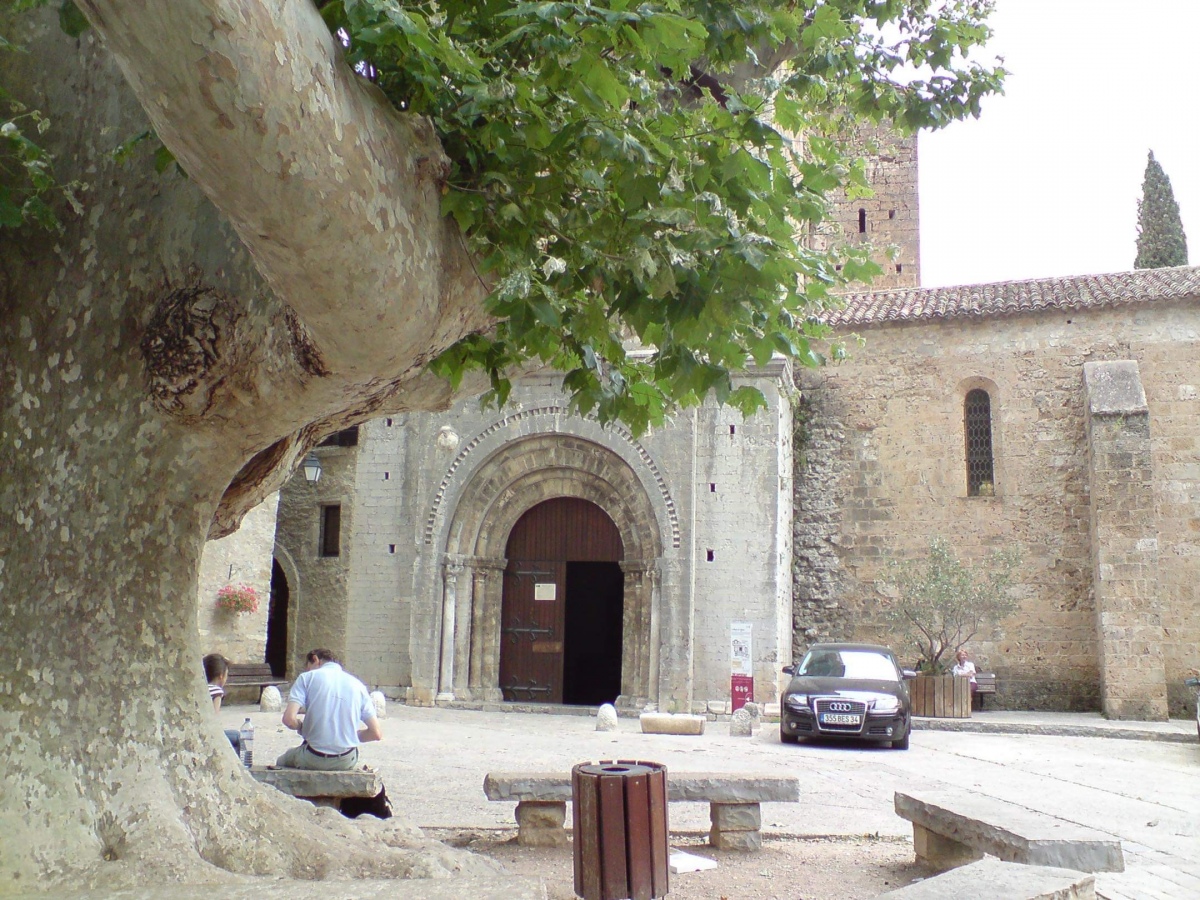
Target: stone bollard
(741,725)
(380,703)
(755,714)
(606,718)
(269,700)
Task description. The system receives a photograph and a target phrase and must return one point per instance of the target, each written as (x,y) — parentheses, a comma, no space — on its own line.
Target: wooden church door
(533,617)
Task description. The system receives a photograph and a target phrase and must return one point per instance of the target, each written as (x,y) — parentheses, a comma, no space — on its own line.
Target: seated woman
(963,667)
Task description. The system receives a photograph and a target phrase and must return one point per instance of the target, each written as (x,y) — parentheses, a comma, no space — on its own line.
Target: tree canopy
(1160,241)
(650,171)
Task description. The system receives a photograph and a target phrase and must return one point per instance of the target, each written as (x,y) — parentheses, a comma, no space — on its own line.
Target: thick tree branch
(335,194)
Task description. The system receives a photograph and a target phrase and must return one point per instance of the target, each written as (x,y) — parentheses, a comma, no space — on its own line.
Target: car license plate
(840,719)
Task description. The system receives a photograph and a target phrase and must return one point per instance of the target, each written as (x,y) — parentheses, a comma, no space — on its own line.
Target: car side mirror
(907,674)
(789,670)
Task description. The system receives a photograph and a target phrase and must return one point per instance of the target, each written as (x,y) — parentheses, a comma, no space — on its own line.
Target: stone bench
(955,827)
(733,803)
(993,879)
(321,788)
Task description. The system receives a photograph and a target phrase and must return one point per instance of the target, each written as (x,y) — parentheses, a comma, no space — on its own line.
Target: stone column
(636,638)
(487,599)
(1124,543)
(671,639)
(463,622)
(449,596)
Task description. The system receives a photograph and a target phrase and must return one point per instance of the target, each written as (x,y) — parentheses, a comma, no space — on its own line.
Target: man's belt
(329,755)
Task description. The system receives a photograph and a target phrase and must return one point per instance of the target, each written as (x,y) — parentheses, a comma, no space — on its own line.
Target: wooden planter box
(940,696)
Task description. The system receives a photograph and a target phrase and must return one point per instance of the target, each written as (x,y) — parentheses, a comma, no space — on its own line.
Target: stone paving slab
(991,879)
(496,887)
(1149,883)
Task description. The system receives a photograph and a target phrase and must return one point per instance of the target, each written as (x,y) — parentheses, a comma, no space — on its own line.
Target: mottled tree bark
(153,387)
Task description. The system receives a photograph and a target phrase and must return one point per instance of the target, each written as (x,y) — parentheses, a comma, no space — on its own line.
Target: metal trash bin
(620,818)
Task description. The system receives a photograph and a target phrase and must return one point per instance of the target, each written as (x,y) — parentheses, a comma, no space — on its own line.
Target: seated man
(334,703)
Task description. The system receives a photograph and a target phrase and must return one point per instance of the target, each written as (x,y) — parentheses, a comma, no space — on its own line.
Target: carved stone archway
(517,477)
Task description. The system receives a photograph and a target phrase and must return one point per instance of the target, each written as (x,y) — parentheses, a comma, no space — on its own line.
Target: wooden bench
(733,800)
(321,788)
(992,879)
(954,827)
(251,675)
(985,683)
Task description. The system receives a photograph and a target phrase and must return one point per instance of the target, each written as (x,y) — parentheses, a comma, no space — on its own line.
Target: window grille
(977,422)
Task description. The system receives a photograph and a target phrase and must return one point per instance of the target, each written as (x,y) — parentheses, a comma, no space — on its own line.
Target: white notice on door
(545,591)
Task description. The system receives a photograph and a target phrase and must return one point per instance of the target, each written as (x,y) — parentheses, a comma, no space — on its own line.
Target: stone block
(542,837)
(941,853)
(741,725)
(745,841)
(666,723)
(270,700)
(994,879)
(735,816)
(541,814)
(379,701)
(606,718)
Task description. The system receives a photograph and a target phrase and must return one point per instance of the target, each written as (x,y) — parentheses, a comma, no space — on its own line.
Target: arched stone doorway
(514,479)
(561,614)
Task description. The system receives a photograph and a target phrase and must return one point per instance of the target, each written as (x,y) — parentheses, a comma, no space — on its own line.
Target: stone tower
(888,221)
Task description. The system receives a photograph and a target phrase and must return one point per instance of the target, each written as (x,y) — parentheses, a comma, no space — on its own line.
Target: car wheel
(901,744)
(785,738)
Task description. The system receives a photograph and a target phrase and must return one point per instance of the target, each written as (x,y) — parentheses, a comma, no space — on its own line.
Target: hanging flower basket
(238,598)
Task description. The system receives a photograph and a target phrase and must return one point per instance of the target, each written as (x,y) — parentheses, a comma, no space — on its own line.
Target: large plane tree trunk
(152,388)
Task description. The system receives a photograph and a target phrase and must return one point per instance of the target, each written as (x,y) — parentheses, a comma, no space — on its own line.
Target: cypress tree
(1161,241)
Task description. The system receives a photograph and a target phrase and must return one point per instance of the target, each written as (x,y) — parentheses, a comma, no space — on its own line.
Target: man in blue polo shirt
(335,704)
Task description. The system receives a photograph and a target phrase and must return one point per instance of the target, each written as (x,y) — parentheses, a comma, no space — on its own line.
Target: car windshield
(847,664)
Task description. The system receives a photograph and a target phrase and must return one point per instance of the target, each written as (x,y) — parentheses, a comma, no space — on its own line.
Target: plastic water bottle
(247,737)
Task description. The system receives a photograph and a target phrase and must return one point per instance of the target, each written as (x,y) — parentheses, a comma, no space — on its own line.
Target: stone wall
(317,601)
(241,557)
(883,471)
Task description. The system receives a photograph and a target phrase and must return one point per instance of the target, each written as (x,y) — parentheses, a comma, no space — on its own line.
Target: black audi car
(852,691)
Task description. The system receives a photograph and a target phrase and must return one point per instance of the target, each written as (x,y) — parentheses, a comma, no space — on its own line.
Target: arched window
(977,425)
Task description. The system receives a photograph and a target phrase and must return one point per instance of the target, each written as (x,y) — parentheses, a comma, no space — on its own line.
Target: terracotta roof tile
(1013,297)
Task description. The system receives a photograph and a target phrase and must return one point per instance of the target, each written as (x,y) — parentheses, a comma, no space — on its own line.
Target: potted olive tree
(937,604)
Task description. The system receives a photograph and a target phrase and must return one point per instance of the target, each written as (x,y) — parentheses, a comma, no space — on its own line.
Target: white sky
(1046,181)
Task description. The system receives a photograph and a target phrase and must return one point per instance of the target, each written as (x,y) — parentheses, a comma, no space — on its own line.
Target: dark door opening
(593,633)
(277,617)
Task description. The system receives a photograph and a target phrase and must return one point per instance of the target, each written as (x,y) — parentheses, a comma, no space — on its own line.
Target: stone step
(992,879)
